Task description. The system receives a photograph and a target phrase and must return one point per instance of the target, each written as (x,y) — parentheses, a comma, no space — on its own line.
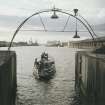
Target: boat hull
(45,73)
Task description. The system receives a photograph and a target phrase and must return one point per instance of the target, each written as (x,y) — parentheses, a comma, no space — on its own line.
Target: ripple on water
(57,91)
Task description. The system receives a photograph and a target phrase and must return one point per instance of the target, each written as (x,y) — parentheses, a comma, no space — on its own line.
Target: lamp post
(76,31)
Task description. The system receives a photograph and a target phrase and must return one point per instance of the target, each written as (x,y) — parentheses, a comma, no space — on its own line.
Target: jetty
(8,79)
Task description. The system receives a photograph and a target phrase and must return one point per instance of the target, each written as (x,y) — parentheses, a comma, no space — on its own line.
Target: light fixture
(76,35)
(75,12)
(54,16)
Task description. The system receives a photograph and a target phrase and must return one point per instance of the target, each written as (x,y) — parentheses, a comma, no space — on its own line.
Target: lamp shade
(76,35)
(54,16)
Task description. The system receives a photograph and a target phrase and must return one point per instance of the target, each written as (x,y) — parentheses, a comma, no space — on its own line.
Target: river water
(59,90)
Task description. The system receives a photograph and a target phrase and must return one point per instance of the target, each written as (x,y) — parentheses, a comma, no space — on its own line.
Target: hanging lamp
(54,16)
(76,32)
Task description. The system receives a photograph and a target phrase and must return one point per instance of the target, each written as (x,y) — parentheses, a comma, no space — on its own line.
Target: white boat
(44,68)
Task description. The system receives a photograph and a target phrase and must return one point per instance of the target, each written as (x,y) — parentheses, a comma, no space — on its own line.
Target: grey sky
(16,7)
(91,9)
(12,12)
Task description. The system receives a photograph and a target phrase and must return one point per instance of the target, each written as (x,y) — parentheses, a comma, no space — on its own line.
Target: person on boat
(42,55)
(46,56)
(36,62)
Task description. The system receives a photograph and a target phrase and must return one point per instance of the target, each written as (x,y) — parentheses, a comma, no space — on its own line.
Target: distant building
(4,44)
(64,44)
(20,44)
(88,43)
(53,43)
(31,43)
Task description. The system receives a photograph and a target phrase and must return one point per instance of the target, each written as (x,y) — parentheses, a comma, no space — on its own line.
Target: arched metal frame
(87,26)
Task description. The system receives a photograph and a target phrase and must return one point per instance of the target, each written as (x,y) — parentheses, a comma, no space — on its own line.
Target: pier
(90,76)
(8,79)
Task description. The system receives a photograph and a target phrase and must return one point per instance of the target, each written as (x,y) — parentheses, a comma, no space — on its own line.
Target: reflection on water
(59,90)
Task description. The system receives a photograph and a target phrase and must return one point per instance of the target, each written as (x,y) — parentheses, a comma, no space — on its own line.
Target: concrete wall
(86,44)
(7,78)
(90,76)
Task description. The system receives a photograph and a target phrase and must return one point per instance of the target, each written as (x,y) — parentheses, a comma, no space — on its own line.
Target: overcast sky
(21,7)
(92,10)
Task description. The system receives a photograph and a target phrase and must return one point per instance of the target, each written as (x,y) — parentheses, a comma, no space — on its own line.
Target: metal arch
(22,23)
(80,22)
(47,10)
(88,24)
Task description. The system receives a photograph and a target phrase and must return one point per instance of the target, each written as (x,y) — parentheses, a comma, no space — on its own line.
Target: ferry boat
(44,68)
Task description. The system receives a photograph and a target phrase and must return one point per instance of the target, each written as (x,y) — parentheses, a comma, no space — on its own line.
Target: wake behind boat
(44,68)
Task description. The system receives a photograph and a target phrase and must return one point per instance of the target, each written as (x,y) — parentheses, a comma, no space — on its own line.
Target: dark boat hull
(44,74)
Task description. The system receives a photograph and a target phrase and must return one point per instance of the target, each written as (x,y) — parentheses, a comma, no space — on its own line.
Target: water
(57,91)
